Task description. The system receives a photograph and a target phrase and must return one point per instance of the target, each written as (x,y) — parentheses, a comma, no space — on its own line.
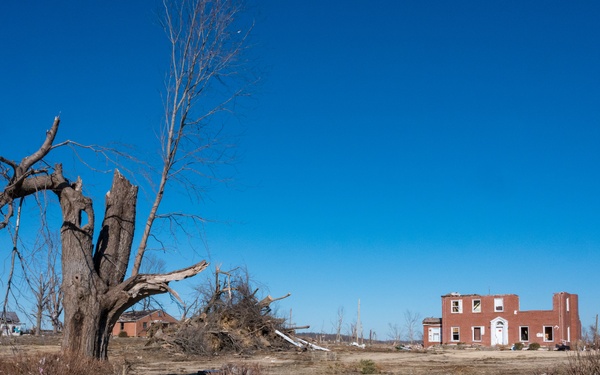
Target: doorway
(499,332)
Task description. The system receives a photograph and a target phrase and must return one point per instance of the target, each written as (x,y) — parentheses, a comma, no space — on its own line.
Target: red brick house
(137,323)
(492,320)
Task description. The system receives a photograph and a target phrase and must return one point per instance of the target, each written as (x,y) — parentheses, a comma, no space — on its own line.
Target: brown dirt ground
(156,360)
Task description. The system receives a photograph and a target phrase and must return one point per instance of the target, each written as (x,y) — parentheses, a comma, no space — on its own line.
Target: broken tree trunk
(93,282)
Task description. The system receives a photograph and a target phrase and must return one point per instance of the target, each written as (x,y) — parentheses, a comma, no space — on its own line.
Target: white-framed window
(477,333)
(476,306)
(524,333)
(456,306)
(434,334)
(498,304)
(548,333)
(567,304)
(455,333)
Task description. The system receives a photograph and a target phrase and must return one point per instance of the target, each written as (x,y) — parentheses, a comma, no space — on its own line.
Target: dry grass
(54,364)
(343,359)
(241,369)
(579,363)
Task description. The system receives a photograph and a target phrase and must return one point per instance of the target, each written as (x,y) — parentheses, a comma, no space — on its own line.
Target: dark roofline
(432,320)
(477,295)
(134,316)
(11,317)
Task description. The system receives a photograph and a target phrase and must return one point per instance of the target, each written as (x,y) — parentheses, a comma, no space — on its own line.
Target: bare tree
(395,333)
(205,50)
(352,331)
(339,323)
(43,261)
(40,292)
(54,306)
(411,322)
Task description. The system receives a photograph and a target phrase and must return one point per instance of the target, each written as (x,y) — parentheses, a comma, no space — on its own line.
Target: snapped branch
(24,180)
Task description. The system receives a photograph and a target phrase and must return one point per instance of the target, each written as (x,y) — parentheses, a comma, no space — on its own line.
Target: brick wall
(497,320)
(139,327)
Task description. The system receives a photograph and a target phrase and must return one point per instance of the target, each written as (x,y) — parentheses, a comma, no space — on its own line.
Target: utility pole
(358,324)
(596,333)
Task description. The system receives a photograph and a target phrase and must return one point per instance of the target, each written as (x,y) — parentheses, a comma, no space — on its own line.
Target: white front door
(499,336)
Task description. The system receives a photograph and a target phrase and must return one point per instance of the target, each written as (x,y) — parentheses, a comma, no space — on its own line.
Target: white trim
(544,333)
(494,324)
(481,333)
(432,334)
(452,334)
(459,305)
(520,330)
(498,304)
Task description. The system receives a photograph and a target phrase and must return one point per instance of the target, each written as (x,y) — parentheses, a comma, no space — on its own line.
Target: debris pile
(231,318)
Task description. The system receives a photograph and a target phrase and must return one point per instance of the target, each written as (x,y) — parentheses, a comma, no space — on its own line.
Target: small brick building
(137,323)
(492,320)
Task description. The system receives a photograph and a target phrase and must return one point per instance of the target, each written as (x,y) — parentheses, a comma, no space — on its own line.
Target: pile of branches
(231,318)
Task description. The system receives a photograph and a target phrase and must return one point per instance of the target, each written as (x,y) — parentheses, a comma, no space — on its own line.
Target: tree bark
(95,292)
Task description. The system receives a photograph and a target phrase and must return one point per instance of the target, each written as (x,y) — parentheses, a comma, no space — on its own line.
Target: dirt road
(145,360)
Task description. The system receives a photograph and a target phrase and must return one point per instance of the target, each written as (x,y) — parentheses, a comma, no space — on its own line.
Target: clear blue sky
(394,151)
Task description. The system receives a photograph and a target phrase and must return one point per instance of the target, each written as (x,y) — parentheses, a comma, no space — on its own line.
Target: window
(476,305)
(122,326)
(567,304)
(144,325)
(498,304)
(524,333)
(456,306)
(434,334)
(477,332)
(455,334)
(548,333)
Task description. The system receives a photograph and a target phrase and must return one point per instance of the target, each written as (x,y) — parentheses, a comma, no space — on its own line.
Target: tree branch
(140,286)
(28,161)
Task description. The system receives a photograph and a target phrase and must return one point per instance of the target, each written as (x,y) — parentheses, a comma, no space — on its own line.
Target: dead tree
(338,324)
(41,294)
(204,54)
(411,323)
(54,306)
(395,333)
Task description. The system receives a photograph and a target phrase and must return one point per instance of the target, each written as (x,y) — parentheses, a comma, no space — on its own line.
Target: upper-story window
(456,306)
(476,305)
(498,304)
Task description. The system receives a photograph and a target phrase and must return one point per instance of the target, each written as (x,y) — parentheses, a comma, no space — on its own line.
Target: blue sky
(394,151)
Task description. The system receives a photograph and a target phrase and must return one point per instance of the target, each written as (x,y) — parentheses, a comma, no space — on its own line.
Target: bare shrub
(368,366)
(55,364)
(241,369)
(584,363)
(579,363)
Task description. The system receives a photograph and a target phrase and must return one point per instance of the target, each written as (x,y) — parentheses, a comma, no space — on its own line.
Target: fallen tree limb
(299,342)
